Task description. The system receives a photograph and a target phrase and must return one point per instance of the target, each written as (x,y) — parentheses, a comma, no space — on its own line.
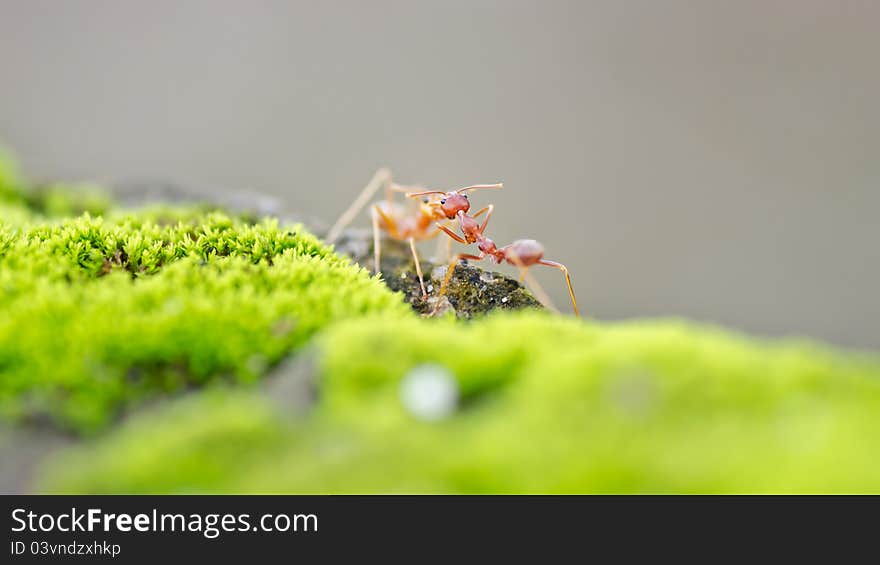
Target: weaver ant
(523,253)
(401,224)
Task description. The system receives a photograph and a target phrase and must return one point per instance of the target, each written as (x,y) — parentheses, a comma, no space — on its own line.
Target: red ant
(523,253)
(401,224)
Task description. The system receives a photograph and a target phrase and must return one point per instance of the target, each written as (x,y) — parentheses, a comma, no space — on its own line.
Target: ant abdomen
(524,251)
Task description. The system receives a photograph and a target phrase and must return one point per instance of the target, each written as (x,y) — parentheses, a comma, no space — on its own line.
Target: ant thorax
(406,224)
(470,227)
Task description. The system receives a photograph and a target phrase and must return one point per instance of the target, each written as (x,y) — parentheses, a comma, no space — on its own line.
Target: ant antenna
(479,187)
(424,193)
(400,188)
(458,191)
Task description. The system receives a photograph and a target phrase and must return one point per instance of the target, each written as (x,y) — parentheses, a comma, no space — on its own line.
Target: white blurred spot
(429,392)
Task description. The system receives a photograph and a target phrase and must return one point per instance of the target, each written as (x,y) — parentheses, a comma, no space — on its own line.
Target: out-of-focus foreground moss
(101,312)
(548,405)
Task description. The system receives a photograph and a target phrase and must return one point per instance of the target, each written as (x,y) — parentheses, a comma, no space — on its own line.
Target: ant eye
(425,200)
(465,195)
(443,201)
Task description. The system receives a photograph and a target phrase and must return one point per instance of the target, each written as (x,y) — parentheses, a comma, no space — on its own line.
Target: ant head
(445,204)
(452,203)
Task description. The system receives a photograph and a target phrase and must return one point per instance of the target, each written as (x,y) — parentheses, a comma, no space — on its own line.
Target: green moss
(99,313)
(549,405)
(208,450)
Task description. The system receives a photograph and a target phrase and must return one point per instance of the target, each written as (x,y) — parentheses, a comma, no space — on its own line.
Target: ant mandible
(523,253)
(401,224)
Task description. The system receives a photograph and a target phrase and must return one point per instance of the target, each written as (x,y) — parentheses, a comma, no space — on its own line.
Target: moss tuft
(100,313)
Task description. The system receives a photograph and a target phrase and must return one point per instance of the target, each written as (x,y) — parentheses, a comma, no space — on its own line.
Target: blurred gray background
(715,160)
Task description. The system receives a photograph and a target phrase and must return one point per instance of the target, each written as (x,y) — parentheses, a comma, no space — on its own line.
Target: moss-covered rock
(472,291)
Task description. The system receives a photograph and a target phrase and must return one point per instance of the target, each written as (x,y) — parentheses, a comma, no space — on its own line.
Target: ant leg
(412,246)
(452,234)
(538,291)
(390,190)
(562,268)
(380,179)
(481,211)
(533,285)
(514,259)
(451,269)
(377,240)
(390,223)
(376,213)
(488,209)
